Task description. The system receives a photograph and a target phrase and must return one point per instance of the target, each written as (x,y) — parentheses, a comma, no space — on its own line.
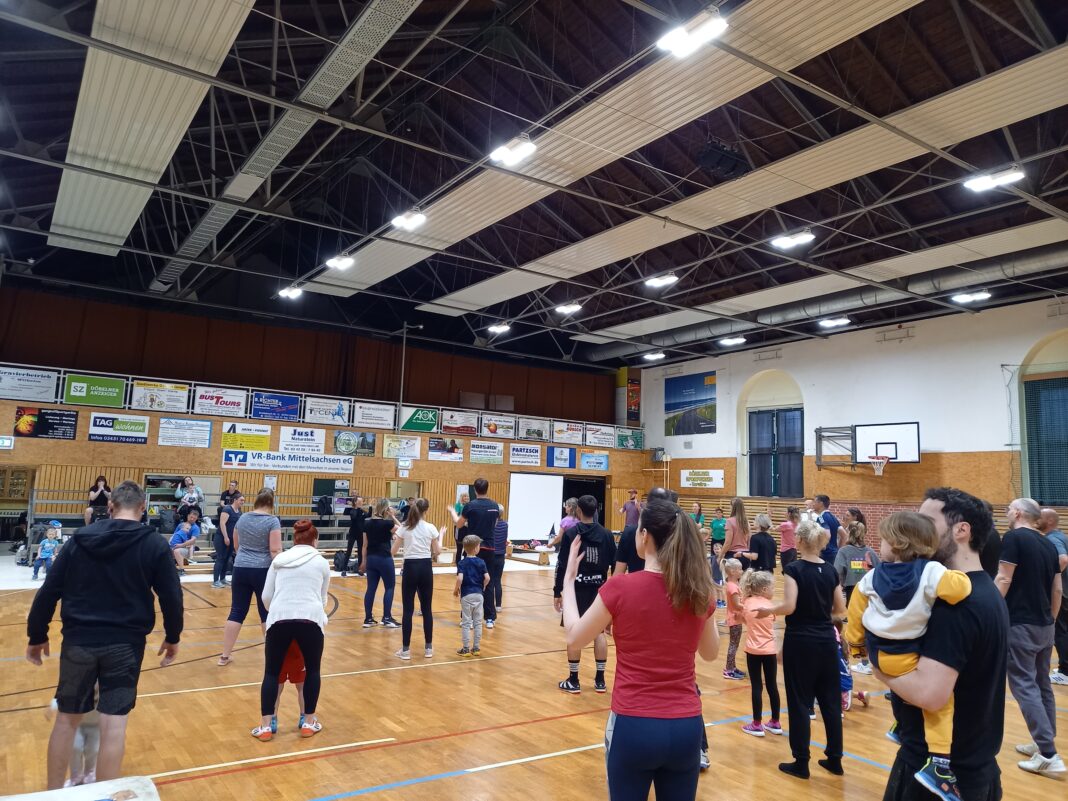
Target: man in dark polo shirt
(479,517)
(963,653)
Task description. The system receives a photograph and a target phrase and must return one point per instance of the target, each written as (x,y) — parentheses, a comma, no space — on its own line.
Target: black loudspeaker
(721,161)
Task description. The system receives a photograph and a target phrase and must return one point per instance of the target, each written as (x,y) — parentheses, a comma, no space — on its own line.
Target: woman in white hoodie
(295,595)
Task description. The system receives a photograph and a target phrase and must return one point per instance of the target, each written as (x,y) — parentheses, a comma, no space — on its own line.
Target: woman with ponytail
(422,544)
(295,593)
(661,617)
(737,538)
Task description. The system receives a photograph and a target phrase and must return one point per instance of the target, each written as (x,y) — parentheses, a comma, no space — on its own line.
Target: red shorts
(293,669)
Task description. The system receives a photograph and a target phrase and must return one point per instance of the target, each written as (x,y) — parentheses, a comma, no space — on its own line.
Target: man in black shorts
(598,551)
(964,653)
(105,576)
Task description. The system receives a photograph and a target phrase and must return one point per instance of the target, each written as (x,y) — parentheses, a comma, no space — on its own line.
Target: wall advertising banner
(220,401)
(355,443)
(326,410)
(301,440)
(632,439)
(157,396)
(127,428)
(94,390)
(594,461)
(456,422)
(18,383)
(690,404)
(398,446)
(534,428)
(634,401)
(45,423)
(445,449)
(702,479)
(560,457)
(291,462)
(487,452)
(567,432)
(600,436)
(498,425)
(7,443)
(183,432)
(524,455)
(273,406)
(374,415)
(418,418)
(246,437)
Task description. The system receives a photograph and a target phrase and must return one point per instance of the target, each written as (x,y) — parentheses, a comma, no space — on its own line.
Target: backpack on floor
(339,561)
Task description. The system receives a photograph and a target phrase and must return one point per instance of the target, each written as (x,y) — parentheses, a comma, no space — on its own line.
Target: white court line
(268,758)
(534,758)
(337,675)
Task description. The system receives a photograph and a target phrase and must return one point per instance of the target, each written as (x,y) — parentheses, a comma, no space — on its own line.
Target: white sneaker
(489,624)
(404,654)
(860,667)
(1052,768)
(1057,677)
(1027,750)
(428,652)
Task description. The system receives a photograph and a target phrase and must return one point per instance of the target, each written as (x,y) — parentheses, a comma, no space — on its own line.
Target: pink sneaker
(753,728)
(863,697)
(773,727)
(847,701)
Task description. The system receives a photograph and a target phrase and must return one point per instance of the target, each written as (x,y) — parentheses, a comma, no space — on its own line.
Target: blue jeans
(380,568)
(658,752)
(37,565)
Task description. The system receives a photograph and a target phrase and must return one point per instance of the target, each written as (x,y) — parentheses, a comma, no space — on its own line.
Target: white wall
(948,376)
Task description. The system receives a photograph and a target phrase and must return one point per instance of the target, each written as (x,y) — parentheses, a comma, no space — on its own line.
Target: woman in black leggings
(422,544)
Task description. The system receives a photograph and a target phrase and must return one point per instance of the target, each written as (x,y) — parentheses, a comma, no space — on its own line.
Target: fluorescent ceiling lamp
(662,280)
(653,357)
(793,240)
(340,262)
(728,341)
(971,297)
(681,42)
(569,308)
(499,328)
(510,155)
(835,322)
(410,220)
(982,183)
(291,292)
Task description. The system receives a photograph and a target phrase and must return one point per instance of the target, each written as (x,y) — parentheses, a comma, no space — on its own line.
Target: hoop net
(878,463)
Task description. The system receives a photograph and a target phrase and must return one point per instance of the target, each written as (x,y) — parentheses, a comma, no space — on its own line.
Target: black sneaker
(599,686)
(390,623)
(569,686)
(369,622)
(463,652)
(344,574)
(940,780)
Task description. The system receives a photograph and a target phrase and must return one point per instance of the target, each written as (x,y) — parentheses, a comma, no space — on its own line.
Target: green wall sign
(94,390)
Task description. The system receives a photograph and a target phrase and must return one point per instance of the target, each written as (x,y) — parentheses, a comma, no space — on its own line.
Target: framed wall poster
(463,423)
(301,440)
(158,396)
(246,436)
(419,418)
(326,410)
(220,401)
(690,404)
(560,458)
(564,431)
(534,428)
(486,452)
(184,432)
(46,423)
(631,439)
(399,446)
(19,383)
(94,390)
(129,429)
(702,479)
(498,425)
(522,455)
(600,436)
(357,443)
(374,415)
(275,406)
(594,461)
(444,449)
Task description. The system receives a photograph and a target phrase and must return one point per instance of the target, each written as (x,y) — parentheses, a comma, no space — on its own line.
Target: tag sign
(404,464)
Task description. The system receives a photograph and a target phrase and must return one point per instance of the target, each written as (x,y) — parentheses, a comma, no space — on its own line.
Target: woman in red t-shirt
(660,618)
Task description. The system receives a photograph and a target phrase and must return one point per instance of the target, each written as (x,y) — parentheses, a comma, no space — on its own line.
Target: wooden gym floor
(487,728)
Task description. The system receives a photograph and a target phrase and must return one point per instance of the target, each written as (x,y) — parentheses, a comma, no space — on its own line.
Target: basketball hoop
(878,463)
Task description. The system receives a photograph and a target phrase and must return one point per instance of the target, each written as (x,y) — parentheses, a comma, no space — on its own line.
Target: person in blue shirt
(46,551)
(184,540)
(821,505)
(472,578)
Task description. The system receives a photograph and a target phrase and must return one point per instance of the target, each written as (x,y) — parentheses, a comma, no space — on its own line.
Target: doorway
(574,486)
(776,452)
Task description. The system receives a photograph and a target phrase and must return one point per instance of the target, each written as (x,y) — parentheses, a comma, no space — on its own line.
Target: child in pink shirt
(733,569)
(760,650)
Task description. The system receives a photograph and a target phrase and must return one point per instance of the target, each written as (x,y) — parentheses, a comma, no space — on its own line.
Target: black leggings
(417,579)
(757,663)
(309,638)
(243,583)
(810,668)
(353,540)
(786,557)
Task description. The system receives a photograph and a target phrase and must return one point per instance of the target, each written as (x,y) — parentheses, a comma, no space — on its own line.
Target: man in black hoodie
(598,555)
(105,577)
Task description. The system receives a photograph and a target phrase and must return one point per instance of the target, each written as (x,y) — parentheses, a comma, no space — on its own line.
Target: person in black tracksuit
(357,513)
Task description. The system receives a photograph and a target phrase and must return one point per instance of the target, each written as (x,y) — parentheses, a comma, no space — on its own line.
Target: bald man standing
(1049,525)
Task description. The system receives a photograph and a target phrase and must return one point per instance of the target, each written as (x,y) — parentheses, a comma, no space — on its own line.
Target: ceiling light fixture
(661,280)
(835,322)
(728,341)
(499,328)
(410,220)
(681,42)
(291,292)
(340,262)
(788,241)
(510,155)
(971,297)
(569,308)
(654,357)
(987,181)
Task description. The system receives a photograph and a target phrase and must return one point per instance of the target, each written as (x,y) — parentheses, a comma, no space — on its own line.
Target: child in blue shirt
(46,551)
(471,580)
(184,540)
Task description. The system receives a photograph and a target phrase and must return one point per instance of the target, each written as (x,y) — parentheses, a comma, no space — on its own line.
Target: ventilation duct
(364,38)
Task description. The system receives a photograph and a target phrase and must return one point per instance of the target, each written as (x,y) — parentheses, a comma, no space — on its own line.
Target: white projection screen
(534,505)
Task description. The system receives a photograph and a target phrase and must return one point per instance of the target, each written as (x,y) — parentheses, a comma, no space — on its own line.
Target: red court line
(416,741)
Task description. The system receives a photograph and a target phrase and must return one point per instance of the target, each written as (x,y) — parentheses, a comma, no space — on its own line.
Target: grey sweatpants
(471,618)
(1030,648)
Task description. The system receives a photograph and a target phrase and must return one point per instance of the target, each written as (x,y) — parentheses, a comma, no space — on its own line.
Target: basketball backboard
(898,441)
